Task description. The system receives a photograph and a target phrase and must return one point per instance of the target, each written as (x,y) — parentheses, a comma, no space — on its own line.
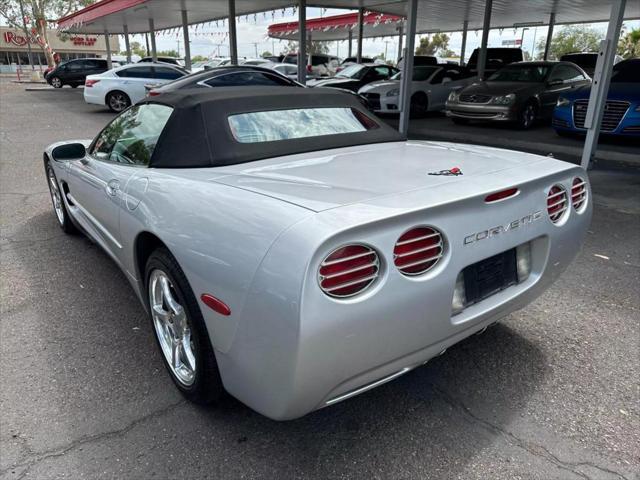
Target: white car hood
(380,87)
(322,180)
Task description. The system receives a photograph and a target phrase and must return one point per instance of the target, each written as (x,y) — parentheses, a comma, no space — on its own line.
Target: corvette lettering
(492,232)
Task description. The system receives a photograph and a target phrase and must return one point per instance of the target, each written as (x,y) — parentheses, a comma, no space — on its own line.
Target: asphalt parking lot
(552,392)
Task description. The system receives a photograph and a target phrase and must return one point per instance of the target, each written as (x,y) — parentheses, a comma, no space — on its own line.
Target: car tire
(527,116)
(180,330)
(460,121)
(55,82)
(59,207)
(117,101)
(74,85)
(419,105)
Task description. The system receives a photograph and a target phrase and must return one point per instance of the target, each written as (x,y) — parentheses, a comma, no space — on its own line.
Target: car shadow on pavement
(431,422)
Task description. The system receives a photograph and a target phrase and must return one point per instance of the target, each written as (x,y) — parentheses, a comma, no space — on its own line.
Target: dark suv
(496,59)
(74,72)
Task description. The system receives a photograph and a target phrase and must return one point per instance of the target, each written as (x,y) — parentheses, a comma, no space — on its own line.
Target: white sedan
(123,86)
(430,88)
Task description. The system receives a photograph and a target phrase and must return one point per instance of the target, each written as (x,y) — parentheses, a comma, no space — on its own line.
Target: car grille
(373,99)
(474,98)
(632,129)
(461,113)
(556,122)
(614,110)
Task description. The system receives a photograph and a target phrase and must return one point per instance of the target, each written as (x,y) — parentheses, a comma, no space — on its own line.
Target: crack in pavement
(518,442)
(40,457)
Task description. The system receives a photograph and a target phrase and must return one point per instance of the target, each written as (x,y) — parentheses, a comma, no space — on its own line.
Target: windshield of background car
(256,127)
(353,71)
(131,137)
(626,72)
(581,59)
(420,74)
(520,73)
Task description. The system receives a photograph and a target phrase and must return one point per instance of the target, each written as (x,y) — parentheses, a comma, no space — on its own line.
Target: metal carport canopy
(338,27)
(432,16)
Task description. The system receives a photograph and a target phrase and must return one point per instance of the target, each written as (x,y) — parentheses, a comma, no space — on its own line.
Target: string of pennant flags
(206,29)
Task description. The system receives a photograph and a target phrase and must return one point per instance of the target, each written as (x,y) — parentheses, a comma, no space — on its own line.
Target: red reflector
(214,304)
(90,83)
(494,197)
(153,93)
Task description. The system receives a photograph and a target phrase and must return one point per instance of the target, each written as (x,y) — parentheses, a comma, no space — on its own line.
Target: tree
(431,45)
(629,44)
(199,58)
(168,53)
(572,38)
(37,13)
(266,53)
(136,49)
(312,47)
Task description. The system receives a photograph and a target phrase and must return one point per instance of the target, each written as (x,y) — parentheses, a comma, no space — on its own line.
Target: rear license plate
(489,276)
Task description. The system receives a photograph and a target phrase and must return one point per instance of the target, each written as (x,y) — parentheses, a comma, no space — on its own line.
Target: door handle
(113,187)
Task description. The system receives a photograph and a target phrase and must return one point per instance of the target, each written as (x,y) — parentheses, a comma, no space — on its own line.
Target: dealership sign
(20,40)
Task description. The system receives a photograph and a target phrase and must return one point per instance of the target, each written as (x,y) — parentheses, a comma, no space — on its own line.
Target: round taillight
(578,193)
(556,203)
(348,270)
(418,250)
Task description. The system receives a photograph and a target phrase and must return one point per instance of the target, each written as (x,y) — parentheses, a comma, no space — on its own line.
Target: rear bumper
(486,112)
(93,95)
(298,350)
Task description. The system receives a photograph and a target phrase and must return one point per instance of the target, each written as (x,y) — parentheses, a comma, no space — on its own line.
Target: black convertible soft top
(197,133)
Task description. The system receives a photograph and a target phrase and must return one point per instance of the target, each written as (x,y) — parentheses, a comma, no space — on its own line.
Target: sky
(252,37)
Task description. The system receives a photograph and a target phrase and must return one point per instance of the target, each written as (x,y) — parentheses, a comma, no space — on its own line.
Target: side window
(136,72)
(75,66)
(567,74)
(165,73)
(437,78)
(382,72)
(131,138)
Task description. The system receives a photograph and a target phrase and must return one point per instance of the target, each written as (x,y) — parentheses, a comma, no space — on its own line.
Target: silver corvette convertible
(294,251)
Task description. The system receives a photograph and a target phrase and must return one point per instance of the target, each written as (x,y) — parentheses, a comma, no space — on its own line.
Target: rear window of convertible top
(274,125)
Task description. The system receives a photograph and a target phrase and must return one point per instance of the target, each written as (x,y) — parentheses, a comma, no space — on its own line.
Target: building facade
(14,50)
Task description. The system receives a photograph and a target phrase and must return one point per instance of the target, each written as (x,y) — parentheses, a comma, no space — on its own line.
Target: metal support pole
(127,45)
(302,41)
(108,46)
(407,68)
(486,25)
(547,45)
(233,37)
(350,41)
(152,36)
(465,27)
(400,35)
(360,34)
(601,80)
(187,45)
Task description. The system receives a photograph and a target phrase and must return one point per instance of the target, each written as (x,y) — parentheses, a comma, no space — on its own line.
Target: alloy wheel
(56,198)
(172,328)
(528,116)
(118,102)
(56,82)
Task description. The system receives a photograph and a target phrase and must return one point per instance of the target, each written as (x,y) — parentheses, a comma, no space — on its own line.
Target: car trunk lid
(345,176)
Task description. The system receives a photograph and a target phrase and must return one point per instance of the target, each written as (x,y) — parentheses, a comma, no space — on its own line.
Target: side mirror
(446,79)
(69,151)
